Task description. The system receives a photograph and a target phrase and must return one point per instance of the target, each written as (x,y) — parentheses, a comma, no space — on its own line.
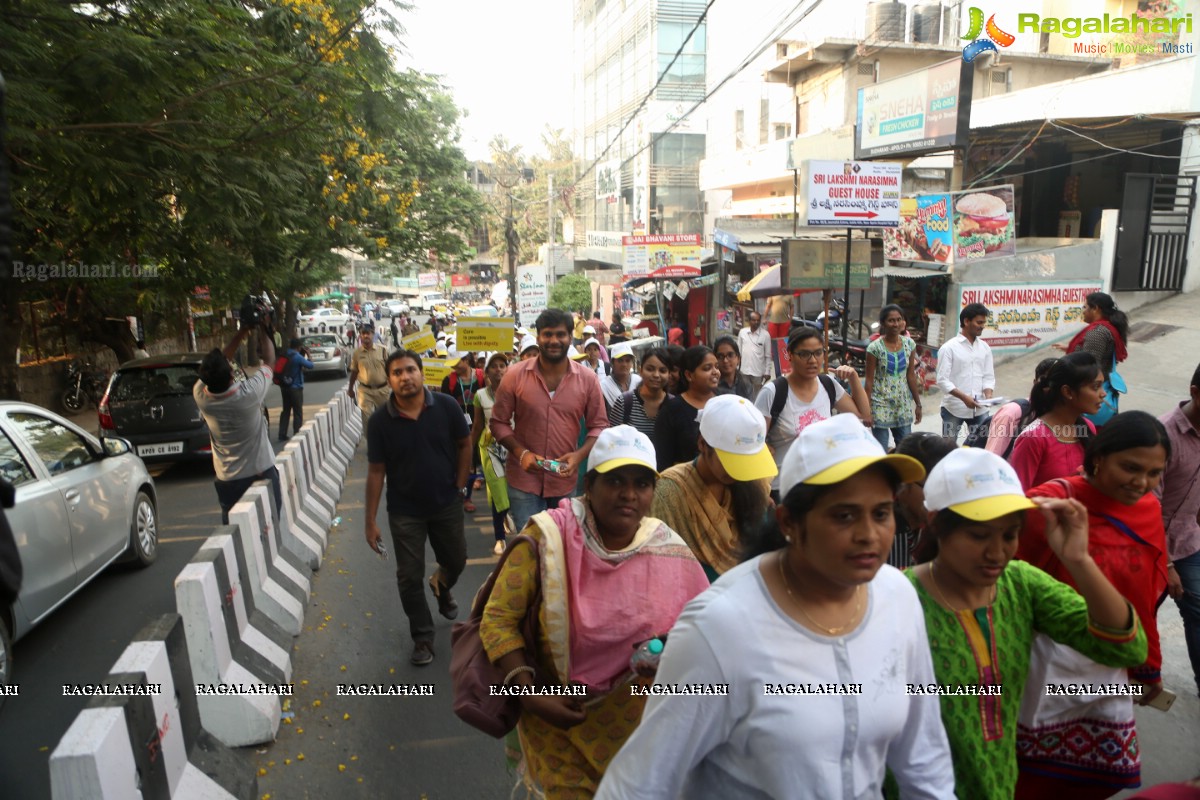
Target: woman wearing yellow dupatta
(491,453)
(610,577)
(715,500)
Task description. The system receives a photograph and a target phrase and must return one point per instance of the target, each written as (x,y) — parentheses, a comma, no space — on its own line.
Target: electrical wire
(1102,144)
(1136,152)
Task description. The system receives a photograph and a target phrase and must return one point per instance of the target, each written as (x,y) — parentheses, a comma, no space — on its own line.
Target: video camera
(257,311)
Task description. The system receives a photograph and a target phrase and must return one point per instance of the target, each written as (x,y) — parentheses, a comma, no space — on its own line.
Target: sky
(508,65)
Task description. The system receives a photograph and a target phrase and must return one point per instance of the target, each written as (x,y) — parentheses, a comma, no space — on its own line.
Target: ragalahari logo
(977,45)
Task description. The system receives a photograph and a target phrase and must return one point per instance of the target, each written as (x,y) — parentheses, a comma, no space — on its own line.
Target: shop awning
(907,272)
(760,249)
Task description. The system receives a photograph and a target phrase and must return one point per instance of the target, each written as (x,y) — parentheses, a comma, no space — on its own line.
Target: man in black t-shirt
(421,443)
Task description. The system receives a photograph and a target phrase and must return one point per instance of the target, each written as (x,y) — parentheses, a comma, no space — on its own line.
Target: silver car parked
(81,504)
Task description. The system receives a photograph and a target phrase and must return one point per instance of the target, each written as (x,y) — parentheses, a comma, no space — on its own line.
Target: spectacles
(807,355)
(726,356)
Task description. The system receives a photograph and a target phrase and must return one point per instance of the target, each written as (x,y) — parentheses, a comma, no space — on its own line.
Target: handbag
(1114,387)
(473,674)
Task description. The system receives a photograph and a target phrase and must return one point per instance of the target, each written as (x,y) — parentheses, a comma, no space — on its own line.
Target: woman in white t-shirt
(812,395)
(803,657)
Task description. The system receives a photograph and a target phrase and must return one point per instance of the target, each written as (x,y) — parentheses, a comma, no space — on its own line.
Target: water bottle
(645,658)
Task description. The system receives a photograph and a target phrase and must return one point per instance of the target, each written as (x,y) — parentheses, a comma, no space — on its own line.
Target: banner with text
(533,293)
(485,333)
(1025,315)
(853,194)
(420,341)
(821,264)
(437,369)
(645,254)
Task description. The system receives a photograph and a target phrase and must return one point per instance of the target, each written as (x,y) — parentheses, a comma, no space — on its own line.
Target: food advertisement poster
(955,227)
(1025,315)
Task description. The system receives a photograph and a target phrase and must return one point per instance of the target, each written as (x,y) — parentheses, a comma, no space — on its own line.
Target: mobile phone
(382,550)
(1163,701)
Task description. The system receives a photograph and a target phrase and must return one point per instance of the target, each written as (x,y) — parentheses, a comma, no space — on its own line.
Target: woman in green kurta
(982,611)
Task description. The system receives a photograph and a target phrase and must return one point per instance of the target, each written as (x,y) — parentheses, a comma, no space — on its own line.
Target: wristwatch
(463,491)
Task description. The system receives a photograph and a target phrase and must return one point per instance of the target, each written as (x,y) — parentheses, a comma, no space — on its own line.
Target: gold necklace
(787,585)
(942,595)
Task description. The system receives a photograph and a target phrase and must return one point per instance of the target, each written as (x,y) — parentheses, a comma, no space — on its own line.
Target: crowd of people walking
(867,611)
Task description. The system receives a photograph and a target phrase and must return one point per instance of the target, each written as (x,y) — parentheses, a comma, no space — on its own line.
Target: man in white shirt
(965,374)
(755,344)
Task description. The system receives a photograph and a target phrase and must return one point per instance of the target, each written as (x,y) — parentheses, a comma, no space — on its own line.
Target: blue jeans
(1189,608)
(523,505)
(898,433)
(952,425)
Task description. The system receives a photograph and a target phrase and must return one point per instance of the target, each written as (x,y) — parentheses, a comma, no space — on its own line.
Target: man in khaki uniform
(367,368)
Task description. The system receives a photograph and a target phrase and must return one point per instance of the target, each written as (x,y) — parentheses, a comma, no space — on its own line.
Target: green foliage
(530,198)
(233,144)
(572,293)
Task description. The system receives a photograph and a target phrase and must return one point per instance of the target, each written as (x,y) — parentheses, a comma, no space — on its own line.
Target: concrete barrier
(148,745)
(254,628)
(219,657)
(307,536)
(336,446)
(326,489)
(315,501)
(352,418)
(341,437)
(276,587)
(275,533)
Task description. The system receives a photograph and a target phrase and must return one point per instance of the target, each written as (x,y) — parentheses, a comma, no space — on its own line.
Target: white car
(397,307)
(322,320)
(82,503)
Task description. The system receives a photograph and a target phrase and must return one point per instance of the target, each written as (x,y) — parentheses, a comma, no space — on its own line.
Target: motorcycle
(837,308)
(85,384)
(853,352)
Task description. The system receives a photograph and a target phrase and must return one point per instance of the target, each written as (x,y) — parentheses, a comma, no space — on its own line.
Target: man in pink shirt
(542,407)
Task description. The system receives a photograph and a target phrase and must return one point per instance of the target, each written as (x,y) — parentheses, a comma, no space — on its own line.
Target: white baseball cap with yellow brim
(622,446)
(975,484)
(737,431)
(832,450)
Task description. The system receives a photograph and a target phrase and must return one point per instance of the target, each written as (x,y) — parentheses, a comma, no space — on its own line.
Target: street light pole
(511,240)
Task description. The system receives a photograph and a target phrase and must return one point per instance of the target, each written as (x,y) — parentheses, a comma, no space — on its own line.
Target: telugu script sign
(1021,316)
(853,194)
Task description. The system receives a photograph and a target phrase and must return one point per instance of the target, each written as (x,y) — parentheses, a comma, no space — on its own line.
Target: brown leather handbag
(472,674)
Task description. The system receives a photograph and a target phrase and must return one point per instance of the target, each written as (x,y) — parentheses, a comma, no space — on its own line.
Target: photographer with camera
(291,386)
(241,446)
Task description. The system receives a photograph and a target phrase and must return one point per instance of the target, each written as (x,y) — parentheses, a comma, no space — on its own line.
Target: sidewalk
(1164,349)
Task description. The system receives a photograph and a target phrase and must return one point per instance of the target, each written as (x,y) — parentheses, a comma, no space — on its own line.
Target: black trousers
(444,531)
(293,404)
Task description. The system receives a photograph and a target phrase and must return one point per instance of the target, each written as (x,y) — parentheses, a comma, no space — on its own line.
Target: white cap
(622,446)
(738,432)
(527,342)
(588,329)
(976,484)
(832,450)
(574,354)
(441,335)
(522,331)
(620,350)
(591,342)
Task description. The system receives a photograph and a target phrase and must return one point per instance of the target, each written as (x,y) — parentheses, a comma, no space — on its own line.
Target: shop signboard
(921,112)
(954,227)
(821,264)
(853,194)
(485,333)
(608,181)
(460,280)
(427,280)
(646,255)
(1025,315)
(533,295)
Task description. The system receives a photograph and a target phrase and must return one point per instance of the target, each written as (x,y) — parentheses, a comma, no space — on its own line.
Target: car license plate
(164,449)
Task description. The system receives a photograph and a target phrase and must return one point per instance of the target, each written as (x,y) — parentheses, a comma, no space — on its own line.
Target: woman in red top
(1106,334)
(1053,444)
(1124,463)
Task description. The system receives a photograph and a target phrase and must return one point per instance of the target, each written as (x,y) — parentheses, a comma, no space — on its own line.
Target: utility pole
(550,260)
(513,242)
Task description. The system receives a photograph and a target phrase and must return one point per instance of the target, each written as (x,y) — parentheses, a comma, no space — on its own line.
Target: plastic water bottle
(645,658)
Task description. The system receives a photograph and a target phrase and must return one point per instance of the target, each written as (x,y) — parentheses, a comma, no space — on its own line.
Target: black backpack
(979,435)
(781,396)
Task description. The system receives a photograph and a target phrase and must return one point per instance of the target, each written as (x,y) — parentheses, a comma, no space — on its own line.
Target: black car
(149,402)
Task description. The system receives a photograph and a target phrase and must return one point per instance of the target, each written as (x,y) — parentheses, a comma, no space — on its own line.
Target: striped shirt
(637,413)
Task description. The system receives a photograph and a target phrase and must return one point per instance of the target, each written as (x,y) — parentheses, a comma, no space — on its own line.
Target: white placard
(533,295)
(853,194)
